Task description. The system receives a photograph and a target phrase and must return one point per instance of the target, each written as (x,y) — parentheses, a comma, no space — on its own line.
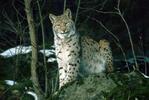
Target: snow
(51,60)
(24,50)
(145,75)
(53,46)
(48,52)
(136,98)
(15,51)
(33,94)
(10,82)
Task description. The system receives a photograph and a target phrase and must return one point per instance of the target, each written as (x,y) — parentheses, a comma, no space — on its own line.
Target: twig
(77,11)
(43,40)
(18,13)
(103,4)
(108,12)
(142,47)
(65,1)
(10,23)
(129,34)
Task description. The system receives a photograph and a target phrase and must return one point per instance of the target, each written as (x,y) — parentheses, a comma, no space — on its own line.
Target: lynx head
(104,43)
(63,25)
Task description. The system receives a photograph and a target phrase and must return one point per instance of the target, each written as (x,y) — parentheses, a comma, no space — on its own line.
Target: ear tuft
(68,13)
(52,17)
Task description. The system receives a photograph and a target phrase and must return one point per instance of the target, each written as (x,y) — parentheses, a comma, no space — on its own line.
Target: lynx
(78,54)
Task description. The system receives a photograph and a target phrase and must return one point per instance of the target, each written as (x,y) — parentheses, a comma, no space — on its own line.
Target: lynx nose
(63,30)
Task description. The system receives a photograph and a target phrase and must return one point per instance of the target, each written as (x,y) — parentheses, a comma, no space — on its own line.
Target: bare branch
(108,12)
(129,34)
(65,1)
(17,10)
(77,11)
(43,40)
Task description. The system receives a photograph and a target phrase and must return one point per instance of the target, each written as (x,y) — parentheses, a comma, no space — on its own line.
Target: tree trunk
(34,59)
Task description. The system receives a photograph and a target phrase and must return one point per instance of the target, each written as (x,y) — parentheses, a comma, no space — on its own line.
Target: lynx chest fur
(77,54)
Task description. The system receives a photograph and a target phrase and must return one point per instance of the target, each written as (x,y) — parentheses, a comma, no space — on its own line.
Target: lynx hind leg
(110,64)
(106,52)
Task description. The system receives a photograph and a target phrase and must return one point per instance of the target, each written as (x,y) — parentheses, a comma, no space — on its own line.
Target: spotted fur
(77,54)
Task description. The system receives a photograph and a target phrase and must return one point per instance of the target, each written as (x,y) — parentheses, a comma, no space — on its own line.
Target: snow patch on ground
(10,82)
(51,60)
(26,49)
(48,52)
(16,50)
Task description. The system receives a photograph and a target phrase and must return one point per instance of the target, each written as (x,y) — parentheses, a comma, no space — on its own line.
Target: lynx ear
(52,17)
(68,13)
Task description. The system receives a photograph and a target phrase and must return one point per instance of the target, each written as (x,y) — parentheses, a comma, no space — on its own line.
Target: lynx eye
(67,24)
(56,27)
